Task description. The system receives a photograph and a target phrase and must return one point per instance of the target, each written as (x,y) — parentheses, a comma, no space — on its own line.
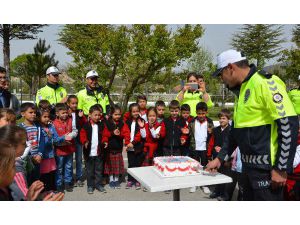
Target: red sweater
(63,128)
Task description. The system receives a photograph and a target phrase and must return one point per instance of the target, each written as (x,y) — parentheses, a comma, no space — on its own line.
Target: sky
(215,39)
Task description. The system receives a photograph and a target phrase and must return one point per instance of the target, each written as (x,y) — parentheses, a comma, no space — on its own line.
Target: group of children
(143,133)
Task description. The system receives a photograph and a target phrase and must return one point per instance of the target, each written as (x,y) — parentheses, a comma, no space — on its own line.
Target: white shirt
(94,145)
(200,135)
(73,121)
(132,131)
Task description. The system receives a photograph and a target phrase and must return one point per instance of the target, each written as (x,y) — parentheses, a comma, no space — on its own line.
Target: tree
(296,35)
(137,53)
(31,67)
(259,41)
(39,61)
(291,57)
(9,32)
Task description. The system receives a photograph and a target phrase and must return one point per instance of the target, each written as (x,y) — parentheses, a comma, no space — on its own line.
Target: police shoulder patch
(277,97)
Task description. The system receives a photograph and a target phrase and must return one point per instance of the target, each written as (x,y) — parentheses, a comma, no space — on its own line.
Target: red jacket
(63,128)
(151,143)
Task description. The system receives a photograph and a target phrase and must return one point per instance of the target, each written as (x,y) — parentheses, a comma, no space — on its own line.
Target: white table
(153,182)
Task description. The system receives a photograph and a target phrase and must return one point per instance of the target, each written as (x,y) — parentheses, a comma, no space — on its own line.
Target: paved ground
(80,194)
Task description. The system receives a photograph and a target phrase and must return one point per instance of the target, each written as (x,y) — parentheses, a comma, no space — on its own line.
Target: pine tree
(259,42)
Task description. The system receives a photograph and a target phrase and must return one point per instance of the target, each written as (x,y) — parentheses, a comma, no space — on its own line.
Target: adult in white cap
(264,127)
(93,94)
(294,95)
(53,91)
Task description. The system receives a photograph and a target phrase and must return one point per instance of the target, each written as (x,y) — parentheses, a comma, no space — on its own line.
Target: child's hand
(86,144)
(105,144)
(54,197)
(117,132)
(141,123)
(130,145)
(34,190)
(37,159)
(80,113)
(182,140)
(68,138)
(185,130)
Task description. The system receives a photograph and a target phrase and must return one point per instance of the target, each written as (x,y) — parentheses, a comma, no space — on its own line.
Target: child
(90,138)
(11,117)
(199,138)
(185,113)
(219,134)
(28,112)
(152,132)
(174,135)
(115,132)
(141,100)
(78,120)
(3,117)
(135,147)
(64,152)
(48,138)
(160,109)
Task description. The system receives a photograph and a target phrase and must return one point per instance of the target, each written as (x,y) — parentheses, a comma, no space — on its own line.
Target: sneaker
(214,195)
(80,183)
(145,190)
(222,198)
(100,188)
(112,185)
(117,185)
(137,186)
(206,190)
(90,190)
(69,188)
(168,192)
(193,189)
(60,189)
(129,184)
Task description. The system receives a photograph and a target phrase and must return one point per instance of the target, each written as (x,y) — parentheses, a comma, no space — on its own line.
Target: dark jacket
(219,138)
(173,132)
(138,143)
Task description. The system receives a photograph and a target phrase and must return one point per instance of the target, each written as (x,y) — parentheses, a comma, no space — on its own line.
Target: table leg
(176,195)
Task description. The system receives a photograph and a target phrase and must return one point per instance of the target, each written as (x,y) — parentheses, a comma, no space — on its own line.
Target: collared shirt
(200,135)
(95,142)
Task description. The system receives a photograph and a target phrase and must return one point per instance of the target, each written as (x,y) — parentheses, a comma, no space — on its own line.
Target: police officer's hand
(278,178)
(213,165)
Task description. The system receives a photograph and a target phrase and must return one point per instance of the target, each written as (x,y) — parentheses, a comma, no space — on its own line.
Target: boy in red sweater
(64,152)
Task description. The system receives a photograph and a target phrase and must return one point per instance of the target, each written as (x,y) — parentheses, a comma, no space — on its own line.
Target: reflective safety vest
(294,95)
(192,99)
(261,101)
(88,98)
(53,95)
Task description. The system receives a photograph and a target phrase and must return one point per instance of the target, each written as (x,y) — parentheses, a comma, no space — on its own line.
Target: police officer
(294,95)
(93,94)
(52,92)
(264,127)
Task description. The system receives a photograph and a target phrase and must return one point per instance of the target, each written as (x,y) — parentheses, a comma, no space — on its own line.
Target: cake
(173,166)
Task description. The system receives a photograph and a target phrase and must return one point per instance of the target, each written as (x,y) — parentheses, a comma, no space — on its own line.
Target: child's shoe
(90,190)
(129,184)
(112,185)
(117,185)
(137,186)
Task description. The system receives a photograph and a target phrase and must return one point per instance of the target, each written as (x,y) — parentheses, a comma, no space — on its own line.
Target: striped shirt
(32,133)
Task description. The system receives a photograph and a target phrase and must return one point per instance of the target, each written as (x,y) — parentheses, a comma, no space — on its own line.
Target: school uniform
(114,164)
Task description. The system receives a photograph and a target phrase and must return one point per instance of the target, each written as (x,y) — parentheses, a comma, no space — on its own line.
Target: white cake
(174,166)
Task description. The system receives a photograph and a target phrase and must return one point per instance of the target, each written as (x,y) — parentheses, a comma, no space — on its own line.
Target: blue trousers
(64,171)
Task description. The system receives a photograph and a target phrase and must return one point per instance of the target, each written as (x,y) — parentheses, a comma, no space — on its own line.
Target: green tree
(31,67)
(137,53)
(260,42)
(9,32)
(296,35)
